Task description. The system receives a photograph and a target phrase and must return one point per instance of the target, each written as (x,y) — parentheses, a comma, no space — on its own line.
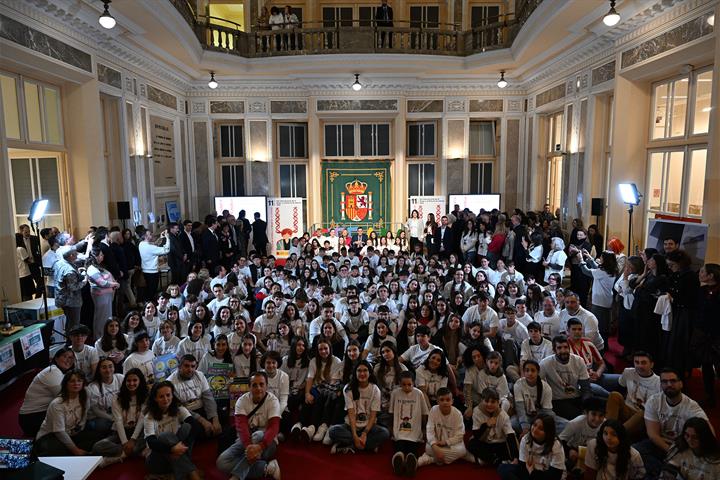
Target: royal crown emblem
(355,205)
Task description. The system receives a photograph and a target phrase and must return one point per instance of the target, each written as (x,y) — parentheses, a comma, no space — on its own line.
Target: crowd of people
(457,340)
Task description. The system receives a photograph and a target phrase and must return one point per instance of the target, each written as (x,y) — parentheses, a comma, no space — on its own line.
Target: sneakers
(107,461)
(320,434)
(469,457)
(424,459)
(411,464)
(326,439)
(307,433)
(296,429)
(272,470)
(398,463)
(338,449)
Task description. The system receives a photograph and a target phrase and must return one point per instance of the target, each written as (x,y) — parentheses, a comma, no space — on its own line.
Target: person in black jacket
(210,243)
(244,228)
(444,239)
(384,18)
(177,256)
(260,238)
(519,252)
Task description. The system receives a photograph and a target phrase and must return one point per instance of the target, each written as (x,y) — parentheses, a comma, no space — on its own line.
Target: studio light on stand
(37,213)
(631,198)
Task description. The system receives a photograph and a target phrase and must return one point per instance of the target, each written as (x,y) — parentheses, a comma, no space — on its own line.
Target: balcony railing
(354,36)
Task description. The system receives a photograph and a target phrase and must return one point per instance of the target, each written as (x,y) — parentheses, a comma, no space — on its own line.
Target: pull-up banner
(424,205)
(285,221)
(356,194)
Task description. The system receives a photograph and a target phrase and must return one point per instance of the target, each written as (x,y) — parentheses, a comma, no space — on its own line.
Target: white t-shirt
(671,418)
(488,318)
(639,389)
(532,454)
(167,423)
(63,416)
(694,468)
(269,409)
(577,432)
(407,410)
(564,378)
(367,402)
(279,385)
(529,351)
(85,359)
(550,325)
(109,392)
(387,384)
(143,361)
(431,381)
(480,380)
(445,428)
(264,326)
(374,352)
(198,348)
(497,433)
(43,389)
(336,370)
(163,347)
(518,332)
(190,391)
(297,375)
(416,355)
(152,327)
(243,364)
(527,395)
(636,467)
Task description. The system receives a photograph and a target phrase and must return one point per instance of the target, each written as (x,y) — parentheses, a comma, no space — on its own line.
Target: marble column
(399,175)
(314,199)
(711,199)
(86,164)
(10,284)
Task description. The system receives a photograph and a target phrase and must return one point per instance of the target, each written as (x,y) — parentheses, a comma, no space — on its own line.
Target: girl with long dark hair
(295,364)
(697,453)
(113,344)
(533,397)
(610,455)
(540,456)
(322,389)
(102,390)
(141,356)
(387,372)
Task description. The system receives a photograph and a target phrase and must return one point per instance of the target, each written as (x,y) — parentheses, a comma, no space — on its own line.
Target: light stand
(631,197)
(37,212)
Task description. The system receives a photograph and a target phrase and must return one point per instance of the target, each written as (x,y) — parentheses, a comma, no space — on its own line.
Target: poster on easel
(285,221)
(428,204)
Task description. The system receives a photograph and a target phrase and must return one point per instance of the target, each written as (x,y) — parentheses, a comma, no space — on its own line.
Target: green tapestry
(356,193)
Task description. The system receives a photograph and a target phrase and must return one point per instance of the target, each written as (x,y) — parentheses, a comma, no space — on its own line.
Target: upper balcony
(355,36)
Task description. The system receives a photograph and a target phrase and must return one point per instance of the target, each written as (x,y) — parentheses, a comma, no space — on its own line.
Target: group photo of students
(478,338)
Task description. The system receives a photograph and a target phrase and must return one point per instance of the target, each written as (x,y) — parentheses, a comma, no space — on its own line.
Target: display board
(249,204)
(475,203)
(424,205)
(286,221)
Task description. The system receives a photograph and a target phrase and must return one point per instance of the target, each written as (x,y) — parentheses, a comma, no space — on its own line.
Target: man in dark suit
(519,252)
(210,243)
(243,229)
(443,238)
(260,238)
(190,247)
(384,18)
(359,239)
(32,246)
(177,256)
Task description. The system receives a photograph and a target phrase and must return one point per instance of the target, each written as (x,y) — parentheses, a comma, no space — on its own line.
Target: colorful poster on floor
(427,204)
(32,343)
(163,366)
(357,194)
(7,357)
(285,220)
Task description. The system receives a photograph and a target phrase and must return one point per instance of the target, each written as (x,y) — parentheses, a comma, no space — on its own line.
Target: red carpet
(298,460)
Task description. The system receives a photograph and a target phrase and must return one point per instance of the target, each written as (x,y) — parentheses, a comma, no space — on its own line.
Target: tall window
(482,156)
(293,180)
(676,175)
(340,140)
(233,180)
(36,178)
(421,179)
(357,140)
(421,139)
(292,140)
(231,141)
(230,159)
(375,140)
(481,177)
(35,102)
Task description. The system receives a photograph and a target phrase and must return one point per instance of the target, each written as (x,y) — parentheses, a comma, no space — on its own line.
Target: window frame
(421,186)
(685,186)
(304,125)
(218,141)
(357,140)
(436,135)
(479,163)
(233,165)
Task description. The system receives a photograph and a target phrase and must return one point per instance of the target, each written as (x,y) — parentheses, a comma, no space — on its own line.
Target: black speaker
(123,210)
(597,207)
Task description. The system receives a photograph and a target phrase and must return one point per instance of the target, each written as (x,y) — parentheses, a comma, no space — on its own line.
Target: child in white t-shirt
(445,431)
(580,430)
(493,439)
(409,409)
(541,454)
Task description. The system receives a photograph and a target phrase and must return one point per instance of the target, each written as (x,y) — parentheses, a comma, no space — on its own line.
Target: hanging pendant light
(612,17)
(502,83)
(106,20)
(213,84)
(357,86)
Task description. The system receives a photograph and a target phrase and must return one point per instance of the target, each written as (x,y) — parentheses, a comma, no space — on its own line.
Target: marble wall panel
(456,138)
(202,178)
(603,73)
(495,105)
(227,107)
(512,158)
(680,35)
(42,43)
(352,105)
(260,172)
(416,106)
(162,97)
(109,76)
(258,140)
(529,170)
(288,106)
(455,176)
(550,95)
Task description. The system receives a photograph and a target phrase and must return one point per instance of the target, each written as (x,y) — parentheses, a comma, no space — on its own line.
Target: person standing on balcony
(384,18)
(291,23)
(262,24)
(276,23)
